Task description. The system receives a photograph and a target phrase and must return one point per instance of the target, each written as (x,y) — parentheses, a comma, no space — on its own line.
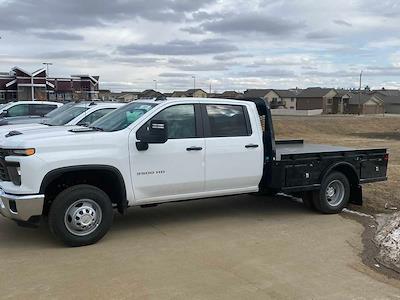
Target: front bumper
(20,207)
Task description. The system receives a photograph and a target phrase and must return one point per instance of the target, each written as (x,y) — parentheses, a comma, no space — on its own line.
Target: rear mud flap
(356,195)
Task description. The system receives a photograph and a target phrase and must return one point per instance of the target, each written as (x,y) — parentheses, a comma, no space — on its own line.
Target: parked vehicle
(36,119)
(154,151)
(82,114)
(27,109)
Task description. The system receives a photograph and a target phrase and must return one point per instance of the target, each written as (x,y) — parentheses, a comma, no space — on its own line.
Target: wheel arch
(117,187)
(354,179)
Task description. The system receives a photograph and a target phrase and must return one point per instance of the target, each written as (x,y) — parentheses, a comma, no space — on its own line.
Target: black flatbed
(286,148)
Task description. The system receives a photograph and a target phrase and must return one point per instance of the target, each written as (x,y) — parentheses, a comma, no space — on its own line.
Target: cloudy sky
(232,44)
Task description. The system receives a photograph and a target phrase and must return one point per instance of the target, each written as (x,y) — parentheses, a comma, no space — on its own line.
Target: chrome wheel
(335,193)
(83,217)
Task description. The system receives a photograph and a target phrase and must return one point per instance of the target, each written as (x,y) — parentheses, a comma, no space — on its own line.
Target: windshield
(66,116)
(123,117)
(59,110)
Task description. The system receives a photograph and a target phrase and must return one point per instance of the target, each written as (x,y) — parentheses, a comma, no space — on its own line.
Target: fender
(353,179)
(52,175)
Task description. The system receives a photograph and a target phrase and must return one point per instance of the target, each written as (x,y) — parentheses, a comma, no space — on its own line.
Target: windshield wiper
(96,128)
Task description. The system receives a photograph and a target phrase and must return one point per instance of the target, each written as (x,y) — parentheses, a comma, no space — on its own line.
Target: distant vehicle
(78,114)
(27,109)
(150,152)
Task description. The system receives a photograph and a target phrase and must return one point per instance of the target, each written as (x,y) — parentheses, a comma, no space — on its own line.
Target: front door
(175,169)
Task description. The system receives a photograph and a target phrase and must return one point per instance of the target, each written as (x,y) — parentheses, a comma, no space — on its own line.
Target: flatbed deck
(299,147)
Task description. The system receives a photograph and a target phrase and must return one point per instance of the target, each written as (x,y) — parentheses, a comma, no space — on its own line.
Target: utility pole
(47,64)
(194,82)
(359,94)
(210,85)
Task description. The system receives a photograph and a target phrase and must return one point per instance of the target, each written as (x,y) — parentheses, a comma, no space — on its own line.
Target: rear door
(234,149)
(175,169)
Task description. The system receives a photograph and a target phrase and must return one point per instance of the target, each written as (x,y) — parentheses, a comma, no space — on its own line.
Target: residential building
(316,98)
(128,96)
(256,93)
(391,98)
(281,99)
(365,103)
(150,94)
(19,84)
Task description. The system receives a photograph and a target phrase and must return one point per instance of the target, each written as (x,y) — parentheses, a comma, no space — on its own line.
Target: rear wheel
(334,194)
(81,215)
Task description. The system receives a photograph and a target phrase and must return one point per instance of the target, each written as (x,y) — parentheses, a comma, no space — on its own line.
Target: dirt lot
(359,132)
(242,247)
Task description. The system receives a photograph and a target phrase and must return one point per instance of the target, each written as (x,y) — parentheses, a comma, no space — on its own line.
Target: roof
(256,93)
(190,92)
(285,93)
(391,93)
(362,97)
(314,92)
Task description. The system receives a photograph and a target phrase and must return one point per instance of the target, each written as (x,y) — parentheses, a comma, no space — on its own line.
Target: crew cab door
(234,148)
(174,169)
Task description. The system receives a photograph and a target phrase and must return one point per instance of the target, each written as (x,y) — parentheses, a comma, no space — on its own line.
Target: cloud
(59,35)
(342,23)
(33,14)
(180,47)
(253,23)
(320,35)
(267,73)
(174,75)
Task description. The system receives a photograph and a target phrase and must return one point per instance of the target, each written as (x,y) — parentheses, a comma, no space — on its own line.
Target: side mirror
(156,133)
(3,114)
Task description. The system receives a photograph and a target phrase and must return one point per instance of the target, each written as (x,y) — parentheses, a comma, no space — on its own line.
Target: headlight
(22,152)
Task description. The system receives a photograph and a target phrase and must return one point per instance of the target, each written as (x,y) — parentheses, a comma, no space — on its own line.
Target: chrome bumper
(20,207)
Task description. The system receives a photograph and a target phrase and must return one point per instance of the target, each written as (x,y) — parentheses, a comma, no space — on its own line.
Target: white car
(27,108)
(81,114)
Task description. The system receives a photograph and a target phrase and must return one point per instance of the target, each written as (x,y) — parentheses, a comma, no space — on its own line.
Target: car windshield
(66,116)
(123,117)
(59,110)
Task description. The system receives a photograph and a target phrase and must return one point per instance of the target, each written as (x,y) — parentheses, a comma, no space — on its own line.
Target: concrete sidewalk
(241,247)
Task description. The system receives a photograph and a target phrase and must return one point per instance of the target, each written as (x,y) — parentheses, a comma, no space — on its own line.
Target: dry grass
(358,132)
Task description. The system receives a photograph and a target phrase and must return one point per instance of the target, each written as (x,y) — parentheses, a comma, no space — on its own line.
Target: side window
(41,109)
(227,120)
(180,119)
(18,110)
(94,116)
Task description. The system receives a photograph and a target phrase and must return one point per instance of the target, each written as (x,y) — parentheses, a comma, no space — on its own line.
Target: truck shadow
(169,214)
(205,210)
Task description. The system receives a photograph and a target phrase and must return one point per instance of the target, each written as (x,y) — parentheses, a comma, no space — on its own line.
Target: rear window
(227,120)
(41,109)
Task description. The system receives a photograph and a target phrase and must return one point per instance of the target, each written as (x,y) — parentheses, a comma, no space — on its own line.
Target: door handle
(194,149)
(251,146)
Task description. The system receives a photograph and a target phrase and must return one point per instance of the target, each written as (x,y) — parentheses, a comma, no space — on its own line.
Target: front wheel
(334,194)
(81,215)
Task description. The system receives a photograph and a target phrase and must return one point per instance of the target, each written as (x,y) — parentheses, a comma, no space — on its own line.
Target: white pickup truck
(154,151)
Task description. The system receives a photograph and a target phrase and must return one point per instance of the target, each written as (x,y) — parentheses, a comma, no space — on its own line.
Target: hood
(42,135)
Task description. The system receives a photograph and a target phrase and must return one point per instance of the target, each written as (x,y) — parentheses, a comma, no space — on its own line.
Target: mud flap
(356,195)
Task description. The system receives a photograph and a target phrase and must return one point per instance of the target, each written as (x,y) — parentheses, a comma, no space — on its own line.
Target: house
(365,103)
(316,98)
(391,98)
(226,95)
(128,96)
(105,95)
(195,93)
(150,94)
(178,94)
(281,99)
(256,93)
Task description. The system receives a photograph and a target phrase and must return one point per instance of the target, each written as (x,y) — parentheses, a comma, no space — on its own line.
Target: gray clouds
(180,47)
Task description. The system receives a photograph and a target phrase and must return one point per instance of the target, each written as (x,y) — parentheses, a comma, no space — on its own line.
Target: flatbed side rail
(335,154)
(289,142)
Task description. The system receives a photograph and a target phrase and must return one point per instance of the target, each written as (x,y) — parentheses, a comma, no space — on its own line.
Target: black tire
(327,205)
(308,200)
(67,198)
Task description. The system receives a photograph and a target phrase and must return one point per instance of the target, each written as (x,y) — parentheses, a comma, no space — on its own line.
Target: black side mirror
(156,133)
